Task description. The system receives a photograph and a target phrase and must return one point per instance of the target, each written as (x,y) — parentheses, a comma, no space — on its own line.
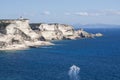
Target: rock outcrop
(84,34)
(19,34)
(55,31)
(60,31)
(98,34)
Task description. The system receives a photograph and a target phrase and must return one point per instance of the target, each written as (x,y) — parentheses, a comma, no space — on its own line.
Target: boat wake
(73,73)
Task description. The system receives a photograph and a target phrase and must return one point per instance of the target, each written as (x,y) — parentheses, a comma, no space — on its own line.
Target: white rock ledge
(15,47)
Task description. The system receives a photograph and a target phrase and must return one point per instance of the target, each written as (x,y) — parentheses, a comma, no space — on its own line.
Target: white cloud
(88,14)
(97,13)
(113,12)
(82,13)
(118,12)
(46,13)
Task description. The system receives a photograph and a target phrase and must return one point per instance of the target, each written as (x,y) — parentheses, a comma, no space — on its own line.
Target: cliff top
(12,20)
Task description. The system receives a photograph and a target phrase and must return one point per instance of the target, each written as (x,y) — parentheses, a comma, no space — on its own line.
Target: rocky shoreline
(18,34)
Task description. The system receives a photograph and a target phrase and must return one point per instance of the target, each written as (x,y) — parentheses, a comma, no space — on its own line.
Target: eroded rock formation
(55,31)
(18,34)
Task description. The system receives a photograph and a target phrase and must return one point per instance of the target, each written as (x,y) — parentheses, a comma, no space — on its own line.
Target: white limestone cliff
(52,35)
(57,31)
(60,31)
(84,34)
(12,42)
(23,26)
(18,34)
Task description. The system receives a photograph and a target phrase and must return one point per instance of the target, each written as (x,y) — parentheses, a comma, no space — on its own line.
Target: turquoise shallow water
(98,59)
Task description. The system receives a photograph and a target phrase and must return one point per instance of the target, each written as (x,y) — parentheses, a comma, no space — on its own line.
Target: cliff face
(55,31)
(17,33)
(60,31)
(52,35)
(21,27)
(67,30)
(84,34)
(8,42)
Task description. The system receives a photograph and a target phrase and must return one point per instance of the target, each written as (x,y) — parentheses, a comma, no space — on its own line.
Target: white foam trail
(73,72)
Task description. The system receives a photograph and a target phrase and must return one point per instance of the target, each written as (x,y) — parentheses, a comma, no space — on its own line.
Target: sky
(63,11)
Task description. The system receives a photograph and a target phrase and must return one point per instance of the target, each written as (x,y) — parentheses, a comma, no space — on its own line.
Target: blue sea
(98,59)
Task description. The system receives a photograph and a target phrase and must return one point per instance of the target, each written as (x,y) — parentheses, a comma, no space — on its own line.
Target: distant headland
(19,34)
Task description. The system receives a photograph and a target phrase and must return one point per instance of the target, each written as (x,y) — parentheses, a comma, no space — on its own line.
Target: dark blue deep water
(98,59)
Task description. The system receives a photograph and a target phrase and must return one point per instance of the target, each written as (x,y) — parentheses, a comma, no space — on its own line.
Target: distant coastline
(77,26)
